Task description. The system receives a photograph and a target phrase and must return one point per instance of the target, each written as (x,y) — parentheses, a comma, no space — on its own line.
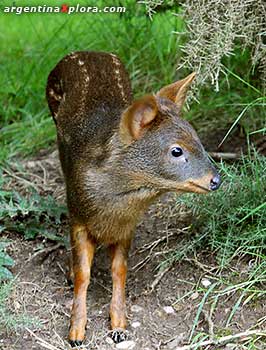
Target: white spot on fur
(54,95)
(73,55)
(85,83)
(51,92)
(116,62)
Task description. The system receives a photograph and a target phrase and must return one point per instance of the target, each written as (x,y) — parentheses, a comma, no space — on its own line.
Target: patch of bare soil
(161,306)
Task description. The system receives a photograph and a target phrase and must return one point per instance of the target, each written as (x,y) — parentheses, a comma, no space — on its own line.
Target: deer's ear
(138,118)
(177,91)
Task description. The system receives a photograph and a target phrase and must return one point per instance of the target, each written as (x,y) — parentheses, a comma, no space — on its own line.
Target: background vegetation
(230,88)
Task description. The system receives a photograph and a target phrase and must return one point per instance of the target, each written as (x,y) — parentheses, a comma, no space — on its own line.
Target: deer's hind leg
(83,248)
(119,254)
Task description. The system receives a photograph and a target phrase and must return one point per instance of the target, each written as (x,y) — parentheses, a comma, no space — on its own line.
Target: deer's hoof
(75,343)
(118,335)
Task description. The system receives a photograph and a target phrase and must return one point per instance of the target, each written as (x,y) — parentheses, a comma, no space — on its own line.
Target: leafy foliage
(30,214)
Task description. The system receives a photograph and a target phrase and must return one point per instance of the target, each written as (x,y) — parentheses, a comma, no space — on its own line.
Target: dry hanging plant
(213,30)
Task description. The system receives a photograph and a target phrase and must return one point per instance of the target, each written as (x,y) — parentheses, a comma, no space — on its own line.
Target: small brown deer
(117,157)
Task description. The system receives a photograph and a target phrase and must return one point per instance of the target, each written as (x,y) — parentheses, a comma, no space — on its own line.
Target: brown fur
(116,158)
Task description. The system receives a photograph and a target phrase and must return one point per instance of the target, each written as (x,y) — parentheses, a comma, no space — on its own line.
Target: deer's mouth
(194,187)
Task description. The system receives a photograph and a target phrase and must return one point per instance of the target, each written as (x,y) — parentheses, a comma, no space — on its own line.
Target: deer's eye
(176,151)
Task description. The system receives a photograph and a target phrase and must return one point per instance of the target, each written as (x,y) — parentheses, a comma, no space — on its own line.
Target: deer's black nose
(215,182)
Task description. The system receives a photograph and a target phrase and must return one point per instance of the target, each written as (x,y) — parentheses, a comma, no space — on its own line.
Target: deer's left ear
(138,118)
(177,92)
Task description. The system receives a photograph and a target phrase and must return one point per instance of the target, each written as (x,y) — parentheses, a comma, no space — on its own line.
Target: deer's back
(86,93)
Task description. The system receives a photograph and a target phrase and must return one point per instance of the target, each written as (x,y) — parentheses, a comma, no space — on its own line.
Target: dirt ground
(161,307)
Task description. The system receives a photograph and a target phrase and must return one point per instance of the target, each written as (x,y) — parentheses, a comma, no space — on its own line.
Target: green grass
(34,43)
(233,220)
(231,224)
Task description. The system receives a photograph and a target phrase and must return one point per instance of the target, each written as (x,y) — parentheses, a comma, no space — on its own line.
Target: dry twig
(47,251)
(42,342)
(21,179)
(208,318)
(225,156)
(224,340)
(159,277)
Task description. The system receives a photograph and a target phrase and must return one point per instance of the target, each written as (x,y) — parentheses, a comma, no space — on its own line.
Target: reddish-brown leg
(70,272)
(83,248)
(119,253)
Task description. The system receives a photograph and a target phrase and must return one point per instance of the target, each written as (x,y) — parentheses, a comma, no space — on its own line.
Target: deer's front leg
(83,248)
(119,253)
